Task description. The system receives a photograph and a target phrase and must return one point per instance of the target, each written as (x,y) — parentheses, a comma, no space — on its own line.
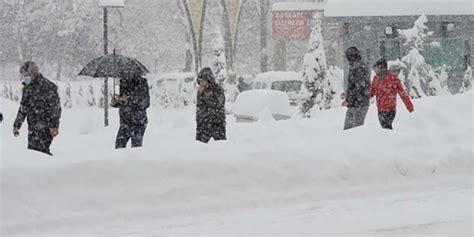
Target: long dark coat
(40,105)
(210,111)
(133,111)
(358,86)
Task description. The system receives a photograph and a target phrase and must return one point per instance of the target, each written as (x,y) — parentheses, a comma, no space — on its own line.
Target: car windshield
(287,86)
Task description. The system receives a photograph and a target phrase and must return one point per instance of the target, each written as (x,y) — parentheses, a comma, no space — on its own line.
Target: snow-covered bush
(417,71)
(467,80)
(314,74)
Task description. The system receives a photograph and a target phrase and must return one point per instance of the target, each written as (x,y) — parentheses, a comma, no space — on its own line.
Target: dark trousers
(386,119)
(40,140)
(127,132)
(205,132)
(355,116)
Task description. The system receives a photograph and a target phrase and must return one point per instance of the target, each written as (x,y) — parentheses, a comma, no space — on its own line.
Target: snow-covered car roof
(278,76)
(253,102)
(181,76)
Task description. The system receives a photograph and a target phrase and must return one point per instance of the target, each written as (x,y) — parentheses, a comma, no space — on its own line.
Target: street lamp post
(106,84)
(108,4)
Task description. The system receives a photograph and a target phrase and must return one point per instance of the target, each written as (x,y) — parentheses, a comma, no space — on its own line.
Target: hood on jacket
(353,54)
(382,63)
(206,74)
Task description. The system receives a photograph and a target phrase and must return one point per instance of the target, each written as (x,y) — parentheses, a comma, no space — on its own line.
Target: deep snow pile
(90,189)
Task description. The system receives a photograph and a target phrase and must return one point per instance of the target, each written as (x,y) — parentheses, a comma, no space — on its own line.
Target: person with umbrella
(40,106)
(133,101)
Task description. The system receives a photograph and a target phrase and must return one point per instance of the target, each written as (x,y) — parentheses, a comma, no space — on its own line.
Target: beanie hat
(29,66)
(381,63)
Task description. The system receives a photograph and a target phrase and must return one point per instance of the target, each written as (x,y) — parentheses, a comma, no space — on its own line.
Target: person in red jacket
(385,87)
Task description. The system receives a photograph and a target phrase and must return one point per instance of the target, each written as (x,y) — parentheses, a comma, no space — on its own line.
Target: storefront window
(449,52)
(391,50)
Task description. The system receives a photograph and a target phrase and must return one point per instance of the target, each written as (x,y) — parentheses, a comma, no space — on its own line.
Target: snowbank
(176,185)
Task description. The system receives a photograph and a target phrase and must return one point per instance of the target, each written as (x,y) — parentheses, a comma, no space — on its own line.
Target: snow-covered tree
(314,73)
(5,92)
(91,96)
(467,81)
(433,84)
(80,99)
(16,94)
(59,33)
(231,89)
(443,79)
(11,93)
(334,80)
(68,97)
(163,97)
(417,70)
(219,65)
(101,97)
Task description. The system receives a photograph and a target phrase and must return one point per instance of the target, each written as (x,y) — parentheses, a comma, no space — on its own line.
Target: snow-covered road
(422,209)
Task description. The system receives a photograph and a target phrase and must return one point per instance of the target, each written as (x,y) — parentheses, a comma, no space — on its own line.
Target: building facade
(377,36)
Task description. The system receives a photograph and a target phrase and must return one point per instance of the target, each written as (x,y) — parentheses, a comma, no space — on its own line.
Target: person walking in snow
(40,106)
(356,97)
(385,87)
(210,108)
(133,101)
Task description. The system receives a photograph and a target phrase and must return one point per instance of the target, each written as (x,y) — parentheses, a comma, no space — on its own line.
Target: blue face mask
(26,80)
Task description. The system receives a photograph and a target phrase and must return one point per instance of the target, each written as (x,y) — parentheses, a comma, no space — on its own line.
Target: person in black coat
(133,101)
(357,95)
(40,106)
(210,108)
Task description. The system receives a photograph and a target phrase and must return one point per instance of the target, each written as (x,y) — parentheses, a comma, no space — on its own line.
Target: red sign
(290,25)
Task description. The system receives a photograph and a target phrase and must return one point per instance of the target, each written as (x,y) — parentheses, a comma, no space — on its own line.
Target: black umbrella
(114,65)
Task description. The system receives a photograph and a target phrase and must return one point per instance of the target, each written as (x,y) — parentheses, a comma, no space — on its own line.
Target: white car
(178,87)
(289,82)
(261,105)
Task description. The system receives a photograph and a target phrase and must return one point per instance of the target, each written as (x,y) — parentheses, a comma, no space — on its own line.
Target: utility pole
(264,7)
(108,4)
(106,86)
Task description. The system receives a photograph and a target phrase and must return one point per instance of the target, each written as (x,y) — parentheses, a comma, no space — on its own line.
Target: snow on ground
(293,177)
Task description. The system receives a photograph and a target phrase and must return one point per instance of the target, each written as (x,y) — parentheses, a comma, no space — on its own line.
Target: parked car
(289,82)
(261,105)
(176,86)
(244,82)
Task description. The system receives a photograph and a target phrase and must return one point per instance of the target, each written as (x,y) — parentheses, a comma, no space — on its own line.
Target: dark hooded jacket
(40,105)
(358,80)
(210,108)
(133,111)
